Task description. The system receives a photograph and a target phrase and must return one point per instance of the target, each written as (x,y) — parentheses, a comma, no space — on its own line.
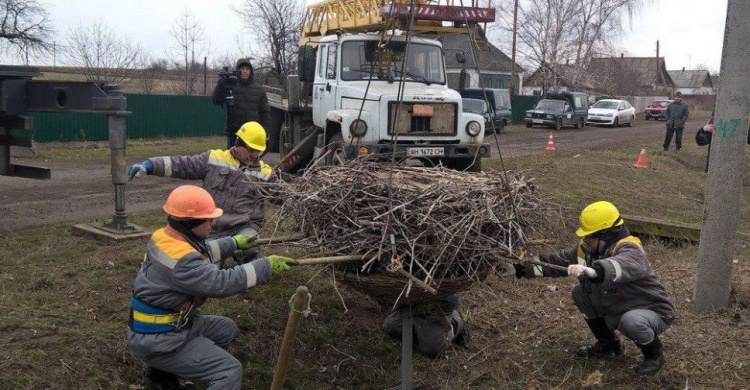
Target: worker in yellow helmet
(176,277)
(618,290)
(235,179)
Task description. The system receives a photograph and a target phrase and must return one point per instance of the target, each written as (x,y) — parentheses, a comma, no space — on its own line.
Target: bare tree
(101,53)
(189,39)
(277,25)
(24,25)
(555,32)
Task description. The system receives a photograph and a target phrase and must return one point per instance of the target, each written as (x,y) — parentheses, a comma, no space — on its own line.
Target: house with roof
(559,78)
(494,65)
(631,76)
(692,82)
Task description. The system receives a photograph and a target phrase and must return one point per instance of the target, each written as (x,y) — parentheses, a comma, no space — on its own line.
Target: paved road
(82,190)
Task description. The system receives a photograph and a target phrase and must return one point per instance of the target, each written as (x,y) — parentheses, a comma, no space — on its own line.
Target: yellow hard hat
(598,216)
(253,135)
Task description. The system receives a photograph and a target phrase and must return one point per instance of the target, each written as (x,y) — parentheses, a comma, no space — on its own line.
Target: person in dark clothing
(433,335)
(617,289)
(250,101)
(703,137)
(677,115)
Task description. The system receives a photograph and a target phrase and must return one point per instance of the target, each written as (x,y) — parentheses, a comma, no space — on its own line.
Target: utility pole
(205,76)
(724,184)
(513,54)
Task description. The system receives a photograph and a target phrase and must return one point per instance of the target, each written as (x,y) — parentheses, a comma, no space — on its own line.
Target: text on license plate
(425,152)
(538,121)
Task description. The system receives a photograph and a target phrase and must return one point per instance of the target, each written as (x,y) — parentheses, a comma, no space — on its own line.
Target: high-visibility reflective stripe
(157,319)
(167,166)
(252,278)
(581,261)
(257,174)
(214,251)
(158,255)
(222,163)
(618,269)
(538,271)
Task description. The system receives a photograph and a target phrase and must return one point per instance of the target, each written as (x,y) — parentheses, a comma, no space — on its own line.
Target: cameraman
(246,100)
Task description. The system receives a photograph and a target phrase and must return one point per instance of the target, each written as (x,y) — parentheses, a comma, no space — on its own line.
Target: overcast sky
(690,31)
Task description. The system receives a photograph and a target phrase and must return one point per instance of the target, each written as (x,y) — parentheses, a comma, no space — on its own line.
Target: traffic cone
(550,142)
(641,163)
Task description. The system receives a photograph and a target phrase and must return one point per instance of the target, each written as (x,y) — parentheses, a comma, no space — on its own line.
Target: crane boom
(352,16)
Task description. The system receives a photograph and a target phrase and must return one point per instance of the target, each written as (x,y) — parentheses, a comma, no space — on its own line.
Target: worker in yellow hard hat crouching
(178,273)
(618,290)
(236,178)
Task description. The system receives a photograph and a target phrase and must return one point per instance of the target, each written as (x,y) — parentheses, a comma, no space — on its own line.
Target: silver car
(611,112)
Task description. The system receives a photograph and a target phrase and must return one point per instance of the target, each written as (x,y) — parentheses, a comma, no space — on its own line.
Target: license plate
(425,152)
(538,121)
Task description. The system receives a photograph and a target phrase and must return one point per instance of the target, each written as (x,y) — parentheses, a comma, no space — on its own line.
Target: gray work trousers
(639,325)
(200,356)
(430,335)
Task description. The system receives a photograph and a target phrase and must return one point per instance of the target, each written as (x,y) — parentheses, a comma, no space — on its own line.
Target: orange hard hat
(191,202)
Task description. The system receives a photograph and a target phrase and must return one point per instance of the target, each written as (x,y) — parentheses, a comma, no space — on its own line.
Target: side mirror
(460,58)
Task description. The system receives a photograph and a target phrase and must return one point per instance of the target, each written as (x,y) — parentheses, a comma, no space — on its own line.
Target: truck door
(324,87)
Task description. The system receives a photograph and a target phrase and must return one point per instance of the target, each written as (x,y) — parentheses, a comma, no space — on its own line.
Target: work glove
(245,241)
(145,167)
(280,264)
(579,270)
(520,270)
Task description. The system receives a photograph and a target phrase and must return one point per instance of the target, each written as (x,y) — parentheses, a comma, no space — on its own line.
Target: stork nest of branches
(439,225)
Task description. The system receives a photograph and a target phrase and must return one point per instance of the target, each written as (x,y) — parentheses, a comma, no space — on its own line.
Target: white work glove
(579,270)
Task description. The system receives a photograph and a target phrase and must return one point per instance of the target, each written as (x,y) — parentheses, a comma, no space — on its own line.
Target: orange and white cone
(641,163)
(550,142)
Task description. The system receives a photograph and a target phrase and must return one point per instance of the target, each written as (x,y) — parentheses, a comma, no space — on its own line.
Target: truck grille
(441,123)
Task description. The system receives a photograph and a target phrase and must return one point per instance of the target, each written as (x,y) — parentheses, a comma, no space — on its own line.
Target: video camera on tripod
(227,80)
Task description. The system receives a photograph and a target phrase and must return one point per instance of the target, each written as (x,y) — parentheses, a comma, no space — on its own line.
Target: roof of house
(490,58)
(564,74)
(691,78)
(715,78)
(643,67)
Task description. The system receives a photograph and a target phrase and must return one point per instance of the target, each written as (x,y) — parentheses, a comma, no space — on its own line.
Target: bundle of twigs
(435,223)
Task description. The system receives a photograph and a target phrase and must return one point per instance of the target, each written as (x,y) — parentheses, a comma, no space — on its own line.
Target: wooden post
(298,303)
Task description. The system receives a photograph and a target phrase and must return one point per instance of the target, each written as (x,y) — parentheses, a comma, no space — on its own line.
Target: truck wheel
(336,155)
(529,125)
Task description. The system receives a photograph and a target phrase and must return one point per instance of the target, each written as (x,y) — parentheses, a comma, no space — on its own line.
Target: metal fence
(520,104)
(153,116)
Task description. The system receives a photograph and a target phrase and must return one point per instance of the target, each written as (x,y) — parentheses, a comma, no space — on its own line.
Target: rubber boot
(162,380)
(606,341)
(463,336)
(653,358)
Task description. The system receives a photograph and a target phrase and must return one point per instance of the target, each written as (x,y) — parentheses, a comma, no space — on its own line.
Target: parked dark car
(499,100)
(559,109)
(657,109)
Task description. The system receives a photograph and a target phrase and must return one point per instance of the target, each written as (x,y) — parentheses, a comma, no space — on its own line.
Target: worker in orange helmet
(178,273)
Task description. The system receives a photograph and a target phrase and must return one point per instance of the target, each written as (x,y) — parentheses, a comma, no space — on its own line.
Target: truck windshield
(361,60)
(550,105)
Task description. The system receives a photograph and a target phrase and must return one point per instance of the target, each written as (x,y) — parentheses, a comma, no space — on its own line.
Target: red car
(657,109)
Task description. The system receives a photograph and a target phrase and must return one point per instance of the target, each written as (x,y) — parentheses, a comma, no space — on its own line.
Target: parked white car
(611,112)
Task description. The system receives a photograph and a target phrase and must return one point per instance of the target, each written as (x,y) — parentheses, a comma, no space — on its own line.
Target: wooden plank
(662,228)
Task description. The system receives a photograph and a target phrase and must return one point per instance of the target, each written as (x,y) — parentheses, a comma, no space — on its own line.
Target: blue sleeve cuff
(149,166)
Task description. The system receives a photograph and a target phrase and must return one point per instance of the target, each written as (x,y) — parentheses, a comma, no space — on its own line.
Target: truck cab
(362,106)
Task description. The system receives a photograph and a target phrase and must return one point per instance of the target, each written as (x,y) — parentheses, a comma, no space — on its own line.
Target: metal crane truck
(369,84)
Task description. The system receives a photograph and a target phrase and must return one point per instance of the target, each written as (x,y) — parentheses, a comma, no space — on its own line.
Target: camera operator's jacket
(236,188)
(250,104)
(625,279)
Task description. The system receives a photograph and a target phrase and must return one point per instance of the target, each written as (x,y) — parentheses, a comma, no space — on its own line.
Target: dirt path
(83,190)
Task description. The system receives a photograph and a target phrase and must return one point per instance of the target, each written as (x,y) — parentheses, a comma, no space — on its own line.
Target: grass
(99,150)
(64,302)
